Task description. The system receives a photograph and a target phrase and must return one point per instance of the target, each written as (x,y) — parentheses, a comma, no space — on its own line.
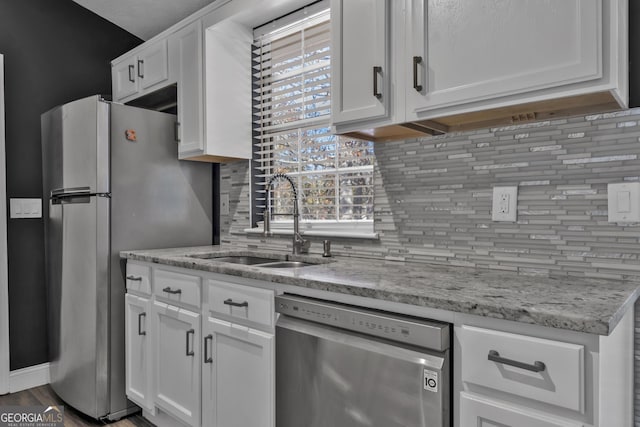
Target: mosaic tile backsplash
(433,201)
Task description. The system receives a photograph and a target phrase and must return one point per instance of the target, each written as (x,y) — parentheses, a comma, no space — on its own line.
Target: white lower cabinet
(238,376)
(177,370)
(138,357)
(476,411)
(190,366)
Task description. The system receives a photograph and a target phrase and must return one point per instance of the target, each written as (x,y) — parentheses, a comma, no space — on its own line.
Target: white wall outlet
(25,208)
(624,202)
(224,204)
(505,204)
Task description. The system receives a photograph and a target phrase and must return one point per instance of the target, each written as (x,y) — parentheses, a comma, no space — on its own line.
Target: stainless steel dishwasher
(344,366)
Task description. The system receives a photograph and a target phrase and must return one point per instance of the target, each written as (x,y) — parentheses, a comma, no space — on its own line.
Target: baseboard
(29,377)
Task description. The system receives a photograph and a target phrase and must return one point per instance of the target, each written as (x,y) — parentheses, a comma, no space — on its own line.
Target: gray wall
(433,201)
(54,52)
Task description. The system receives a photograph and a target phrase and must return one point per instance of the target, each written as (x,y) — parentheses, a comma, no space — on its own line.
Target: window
(292,111)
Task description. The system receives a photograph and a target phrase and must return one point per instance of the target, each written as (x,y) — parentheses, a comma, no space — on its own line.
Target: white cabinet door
(177,362)
(187,42)
(138,338)
(124,79)
(359,60)
(476,411)
(153,65)
(238,376)
(461,51)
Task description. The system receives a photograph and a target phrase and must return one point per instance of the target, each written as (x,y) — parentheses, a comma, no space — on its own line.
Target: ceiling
(144,18)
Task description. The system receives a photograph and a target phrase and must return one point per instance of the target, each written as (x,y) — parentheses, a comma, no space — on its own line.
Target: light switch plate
(25,208)
(624,202)
(505,204)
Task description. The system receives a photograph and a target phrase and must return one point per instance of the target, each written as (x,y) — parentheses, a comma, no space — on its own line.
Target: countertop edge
(592,325)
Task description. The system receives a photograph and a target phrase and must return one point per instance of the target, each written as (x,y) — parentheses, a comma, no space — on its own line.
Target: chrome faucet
(300,245)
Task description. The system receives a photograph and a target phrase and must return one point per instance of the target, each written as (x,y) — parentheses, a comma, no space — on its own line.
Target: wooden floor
(45,396)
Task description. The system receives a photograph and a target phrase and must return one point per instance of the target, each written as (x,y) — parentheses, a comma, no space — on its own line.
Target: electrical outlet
(505,204)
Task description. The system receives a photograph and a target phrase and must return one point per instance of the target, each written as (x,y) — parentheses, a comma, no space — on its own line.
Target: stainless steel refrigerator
(113,182)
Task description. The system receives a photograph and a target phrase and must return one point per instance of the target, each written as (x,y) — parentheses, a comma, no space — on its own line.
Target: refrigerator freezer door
(75,146)
(78,310)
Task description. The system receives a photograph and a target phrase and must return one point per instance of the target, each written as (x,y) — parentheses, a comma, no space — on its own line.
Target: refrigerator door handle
(74,195)
(70,192)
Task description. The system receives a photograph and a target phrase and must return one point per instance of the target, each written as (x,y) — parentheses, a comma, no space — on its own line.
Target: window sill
(318,233)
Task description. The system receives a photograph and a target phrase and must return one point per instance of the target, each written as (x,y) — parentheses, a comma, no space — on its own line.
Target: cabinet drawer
(559,379)
(241,302)
(138,278)
(177,288)
(476,411)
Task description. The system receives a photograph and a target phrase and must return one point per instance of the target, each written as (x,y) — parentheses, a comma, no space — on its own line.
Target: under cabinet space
(533,368)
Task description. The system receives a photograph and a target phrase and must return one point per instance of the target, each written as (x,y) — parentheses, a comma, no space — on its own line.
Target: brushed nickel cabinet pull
(376,70)
(207,358)
(537,366)
(141,68)
(236,304)
(140,331)
(176,130)
(172,291)
(134,278)
(417,60)
(131,73)
(190,332)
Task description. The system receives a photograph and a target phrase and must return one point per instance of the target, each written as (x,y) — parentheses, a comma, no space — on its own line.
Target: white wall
(4,297)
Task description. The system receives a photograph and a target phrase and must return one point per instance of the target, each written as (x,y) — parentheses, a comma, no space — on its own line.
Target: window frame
(325,227)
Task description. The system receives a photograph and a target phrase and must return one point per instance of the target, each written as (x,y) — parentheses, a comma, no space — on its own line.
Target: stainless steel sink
(256,261)
(237,259)
(286,264)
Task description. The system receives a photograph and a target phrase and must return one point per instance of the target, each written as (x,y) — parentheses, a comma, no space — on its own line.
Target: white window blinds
(292,106)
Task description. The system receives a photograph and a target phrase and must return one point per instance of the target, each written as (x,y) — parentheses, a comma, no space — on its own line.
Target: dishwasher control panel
(423,333)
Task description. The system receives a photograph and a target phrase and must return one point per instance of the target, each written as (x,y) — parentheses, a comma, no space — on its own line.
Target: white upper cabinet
(187,43)
(141,73)
(153,65)
(124,78)
(359,60)
(457,65)
(464,51)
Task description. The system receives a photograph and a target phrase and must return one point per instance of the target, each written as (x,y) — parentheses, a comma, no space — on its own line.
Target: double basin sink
(256,261)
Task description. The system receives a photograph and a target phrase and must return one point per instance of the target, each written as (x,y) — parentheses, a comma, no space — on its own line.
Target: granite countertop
(578,304)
